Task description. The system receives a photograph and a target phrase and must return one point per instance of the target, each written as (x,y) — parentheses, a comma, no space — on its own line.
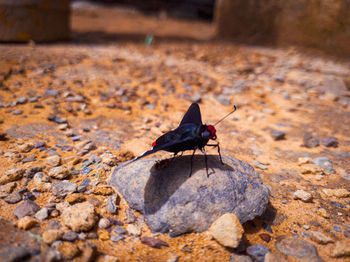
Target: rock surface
(176,203)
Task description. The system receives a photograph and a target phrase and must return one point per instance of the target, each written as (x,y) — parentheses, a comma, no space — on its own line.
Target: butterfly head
(212,131)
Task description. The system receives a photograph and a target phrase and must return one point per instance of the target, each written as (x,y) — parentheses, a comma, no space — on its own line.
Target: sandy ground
(135,92)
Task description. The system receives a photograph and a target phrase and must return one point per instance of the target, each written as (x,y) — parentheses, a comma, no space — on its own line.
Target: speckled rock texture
(172,202)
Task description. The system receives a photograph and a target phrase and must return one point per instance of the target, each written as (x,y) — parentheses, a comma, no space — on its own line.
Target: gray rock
(330,141)
(63,188)
(112,204)
(130,216)
(325,163)
(70,236)
(27,208)
(117,238)
(278,135)
(310,141)
(13,198)
(258,252)
(119,230)
(297,248)
(173,202)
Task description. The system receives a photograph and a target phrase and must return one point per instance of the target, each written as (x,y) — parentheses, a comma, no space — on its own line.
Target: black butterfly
(191,134)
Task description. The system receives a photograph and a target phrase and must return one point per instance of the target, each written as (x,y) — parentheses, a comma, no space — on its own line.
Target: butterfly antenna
(234,109)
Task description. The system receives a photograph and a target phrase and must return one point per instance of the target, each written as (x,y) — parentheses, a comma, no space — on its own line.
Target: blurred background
(318,25)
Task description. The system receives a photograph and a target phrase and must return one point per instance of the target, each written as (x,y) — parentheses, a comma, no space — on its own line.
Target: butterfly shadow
(163,183)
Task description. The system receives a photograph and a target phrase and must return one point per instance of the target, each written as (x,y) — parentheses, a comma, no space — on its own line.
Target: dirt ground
(127,91)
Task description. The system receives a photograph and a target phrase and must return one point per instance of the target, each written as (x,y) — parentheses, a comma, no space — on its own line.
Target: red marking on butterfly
(212,131)
(154,143)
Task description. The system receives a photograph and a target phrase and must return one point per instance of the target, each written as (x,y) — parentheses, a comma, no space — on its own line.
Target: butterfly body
(191,134)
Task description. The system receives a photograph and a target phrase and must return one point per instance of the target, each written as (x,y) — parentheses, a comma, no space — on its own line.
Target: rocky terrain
(71,112)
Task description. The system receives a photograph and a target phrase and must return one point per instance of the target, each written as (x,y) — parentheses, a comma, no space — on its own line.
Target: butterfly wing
(192,116)
(164,146)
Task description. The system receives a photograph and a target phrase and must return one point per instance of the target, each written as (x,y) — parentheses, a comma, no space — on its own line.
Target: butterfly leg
(171,160)
(218,146)
(206,160)
(194,151)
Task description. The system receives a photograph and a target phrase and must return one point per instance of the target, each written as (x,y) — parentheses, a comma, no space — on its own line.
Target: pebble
(85,170)
(79,217)
(310,141)
(119,230)
(112,203)
(52,235)
(278,135)
(11,175)
(70,236)
(104,223)
(13,198)
(117,238)
(154,242)
(239,258)
(28,159)
(51,92)
(296,248)
(265,237)
(320,238)
(42,214)
(26,223)
(227,230)
(133,230)
(338,192)
(108,159)
(302,195)
(17,112)
(59,172)
(22,100)
(26,208)
(330,141)
(8,188)
(63,188)
(341,249)
(57,119)
(39,144)
(325,163)
(259,165)
(54,160)
(26,147)
(130,216)
(68,250)
(258,252)
(84,185)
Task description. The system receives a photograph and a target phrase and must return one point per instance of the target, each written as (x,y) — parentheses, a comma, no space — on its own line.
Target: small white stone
(104,223)
(302,195)
(133,230)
